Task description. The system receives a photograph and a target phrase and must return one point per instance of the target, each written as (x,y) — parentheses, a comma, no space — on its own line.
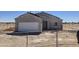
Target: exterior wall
(43,17)
(51,20)
(28,18)
(16,24)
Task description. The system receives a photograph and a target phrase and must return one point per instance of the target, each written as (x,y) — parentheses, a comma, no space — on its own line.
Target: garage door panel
(29,27)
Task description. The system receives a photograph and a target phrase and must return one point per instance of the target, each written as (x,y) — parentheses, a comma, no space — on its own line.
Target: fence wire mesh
(64,38)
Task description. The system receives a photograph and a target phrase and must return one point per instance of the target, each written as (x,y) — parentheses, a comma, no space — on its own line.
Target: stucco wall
(51,20)
(28,18)
(43,17)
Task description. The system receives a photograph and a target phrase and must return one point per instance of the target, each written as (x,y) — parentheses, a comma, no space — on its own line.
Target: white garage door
(28,27)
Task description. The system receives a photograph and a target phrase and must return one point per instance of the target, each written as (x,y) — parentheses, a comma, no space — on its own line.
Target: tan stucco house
(38,22)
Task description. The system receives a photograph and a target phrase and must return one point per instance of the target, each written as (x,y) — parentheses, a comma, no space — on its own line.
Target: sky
(67,16)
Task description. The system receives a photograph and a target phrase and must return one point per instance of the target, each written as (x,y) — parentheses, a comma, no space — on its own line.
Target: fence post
(27,40)
(7,25)
(56,38)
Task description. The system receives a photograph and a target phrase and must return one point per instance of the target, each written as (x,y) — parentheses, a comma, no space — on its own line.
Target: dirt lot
(45,39)
(70,26)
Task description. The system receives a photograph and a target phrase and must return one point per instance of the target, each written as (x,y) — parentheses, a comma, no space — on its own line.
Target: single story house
(38,22)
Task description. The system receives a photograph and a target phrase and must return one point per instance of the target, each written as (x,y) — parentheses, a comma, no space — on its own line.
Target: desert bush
(10,29)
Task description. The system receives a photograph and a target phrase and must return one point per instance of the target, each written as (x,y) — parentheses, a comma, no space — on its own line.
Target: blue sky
(67,16)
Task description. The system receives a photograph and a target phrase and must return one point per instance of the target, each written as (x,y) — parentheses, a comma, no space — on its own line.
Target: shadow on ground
(25,33)
(22,34)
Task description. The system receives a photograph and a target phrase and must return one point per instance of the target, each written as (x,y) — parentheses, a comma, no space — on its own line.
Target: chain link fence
(64,38)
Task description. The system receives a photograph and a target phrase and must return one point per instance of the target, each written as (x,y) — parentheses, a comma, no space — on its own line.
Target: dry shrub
(10,29)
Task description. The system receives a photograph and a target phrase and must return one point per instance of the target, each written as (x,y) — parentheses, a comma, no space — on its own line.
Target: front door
(45,25)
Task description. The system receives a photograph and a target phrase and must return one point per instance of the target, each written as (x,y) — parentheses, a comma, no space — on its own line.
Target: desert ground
(66,37)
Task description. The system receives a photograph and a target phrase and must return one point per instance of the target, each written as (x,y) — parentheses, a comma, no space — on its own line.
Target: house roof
(47,15)
(27,13)
(40,14)
(34,14)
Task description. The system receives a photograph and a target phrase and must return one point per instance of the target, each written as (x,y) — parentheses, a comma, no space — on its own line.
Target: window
(55,23)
